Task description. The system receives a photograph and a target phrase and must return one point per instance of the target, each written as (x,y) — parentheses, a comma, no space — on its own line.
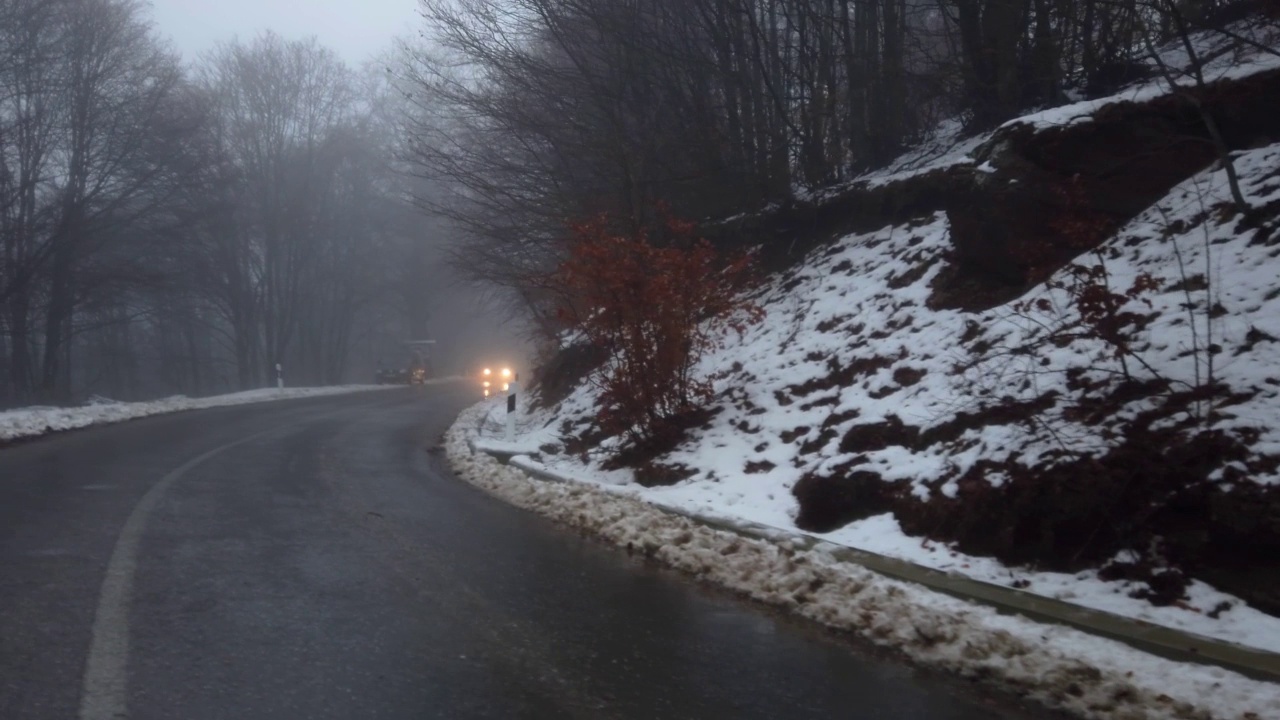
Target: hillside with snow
(1102,428)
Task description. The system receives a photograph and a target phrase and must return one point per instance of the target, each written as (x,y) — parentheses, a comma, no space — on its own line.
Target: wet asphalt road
(333,568)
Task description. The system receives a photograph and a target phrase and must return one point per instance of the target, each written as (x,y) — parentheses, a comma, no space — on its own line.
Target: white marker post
(279,377)
(511,408)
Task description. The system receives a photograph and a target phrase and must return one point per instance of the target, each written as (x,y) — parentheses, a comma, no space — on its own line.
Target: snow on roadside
(1057,666)
(767,504)
(34,421)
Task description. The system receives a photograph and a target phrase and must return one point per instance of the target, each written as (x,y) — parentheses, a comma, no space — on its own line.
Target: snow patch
(38,420)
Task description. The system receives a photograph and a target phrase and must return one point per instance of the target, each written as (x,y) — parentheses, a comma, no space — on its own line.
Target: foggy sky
(356,29)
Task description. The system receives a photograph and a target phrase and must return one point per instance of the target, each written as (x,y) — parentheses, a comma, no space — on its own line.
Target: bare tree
(303,238)
(161,232)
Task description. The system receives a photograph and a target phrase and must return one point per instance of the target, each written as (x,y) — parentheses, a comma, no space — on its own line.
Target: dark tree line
(183,229)
(529,113)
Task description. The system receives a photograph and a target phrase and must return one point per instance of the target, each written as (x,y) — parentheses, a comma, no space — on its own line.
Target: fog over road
(316,559)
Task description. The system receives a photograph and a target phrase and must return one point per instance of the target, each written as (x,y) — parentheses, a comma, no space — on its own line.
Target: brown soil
(1152,494)
(650,473)
(841,376)
(564,372)
(828,503)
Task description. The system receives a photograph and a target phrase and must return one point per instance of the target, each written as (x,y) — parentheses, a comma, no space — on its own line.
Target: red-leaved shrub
(655,311)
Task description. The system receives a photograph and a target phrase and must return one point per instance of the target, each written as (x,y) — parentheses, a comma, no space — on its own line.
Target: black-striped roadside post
(512,386)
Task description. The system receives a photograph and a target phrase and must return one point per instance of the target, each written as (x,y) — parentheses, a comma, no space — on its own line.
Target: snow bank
(1059,667)
(33,421)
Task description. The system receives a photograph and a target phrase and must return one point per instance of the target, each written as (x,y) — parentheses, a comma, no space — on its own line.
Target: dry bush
(655,311)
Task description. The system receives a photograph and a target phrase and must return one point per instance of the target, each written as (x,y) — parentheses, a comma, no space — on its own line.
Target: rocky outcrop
(1007,216)
(786,234)
(1006,208)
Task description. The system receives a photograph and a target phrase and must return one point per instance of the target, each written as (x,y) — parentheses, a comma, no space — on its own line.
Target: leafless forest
(171,228)
(528,112)
(182,227)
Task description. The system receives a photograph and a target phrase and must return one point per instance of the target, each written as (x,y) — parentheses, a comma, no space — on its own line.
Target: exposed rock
(831,502)
(1006,220)
(788,233)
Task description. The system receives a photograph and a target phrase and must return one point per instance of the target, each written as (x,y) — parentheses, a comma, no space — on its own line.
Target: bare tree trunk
(57,325)
(1206,117)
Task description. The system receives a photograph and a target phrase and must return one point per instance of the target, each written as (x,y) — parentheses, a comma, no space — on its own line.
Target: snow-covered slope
(1127,459)
(854,372)
(850,341)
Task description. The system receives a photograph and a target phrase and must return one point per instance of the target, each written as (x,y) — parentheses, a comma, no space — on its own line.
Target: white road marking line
(106,668)
(103,697)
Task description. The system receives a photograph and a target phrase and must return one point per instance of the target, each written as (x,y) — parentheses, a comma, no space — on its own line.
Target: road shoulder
(1058,666)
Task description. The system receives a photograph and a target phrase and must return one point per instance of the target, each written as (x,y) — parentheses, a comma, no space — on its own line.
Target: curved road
(329,566)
